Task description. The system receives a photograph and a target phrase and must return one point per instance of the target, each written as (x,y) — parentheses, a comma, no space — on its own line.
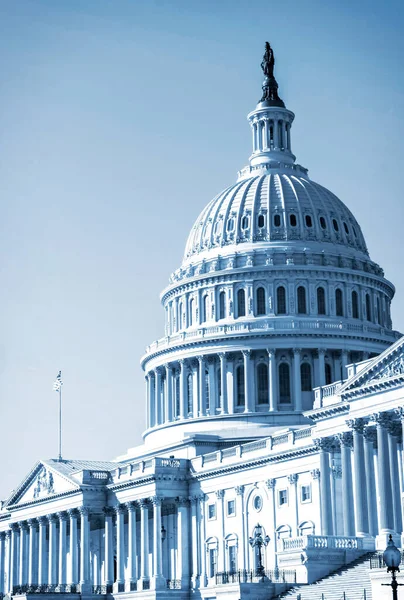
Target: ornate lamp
(392,558)
(257,541)
(163,533)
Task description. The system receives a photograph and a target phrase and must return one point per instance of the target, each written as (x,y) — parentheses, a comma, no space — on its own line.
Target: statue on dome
(268,61)
(270,85)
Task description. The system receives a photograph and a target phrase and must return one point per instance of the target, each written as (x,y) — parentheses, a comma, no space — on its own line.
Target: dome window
(355,305)
(305,377)
(245,221)
(260,301)
(321,301)
(262,383)
(240,394)
(301,300)
(277,220)
(309,222)
(323,223)
(230,225)
(335,224)
(222,312)
(339,303)
(292,220)
(281,300)
(261,221)
(284,383)
(328,374)
(241,303)
(346,228)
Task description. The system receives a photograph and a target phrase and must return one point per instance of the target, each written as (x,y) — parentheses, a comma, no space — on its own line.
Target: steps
(353,579)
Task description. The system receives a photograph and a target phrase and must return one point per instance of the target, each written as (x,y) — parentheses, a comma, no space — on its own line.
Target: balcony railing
(243,576)
(322,541)
(19,590)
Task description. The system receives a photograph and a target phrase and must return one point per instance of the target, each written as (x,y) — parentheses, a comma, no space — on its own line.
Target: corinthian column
(324,446)
(144,542)
(22,572)
(41,551)
(361,504)
(383,421)
(120,549)
(248,382)
(109,554)
(62,548)
(74,577)
(130,584)
(13,579)
(369,440)
(2,560)
(297,381)
(85,583)
(52,572)
(223,381)
(345,439)
(158,581)
(183,542)
(393,435)
(32,553)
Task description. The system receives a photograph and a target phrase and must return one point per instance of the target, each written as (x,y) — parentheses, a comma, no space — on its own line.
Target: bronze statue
(268,61)
(270,85)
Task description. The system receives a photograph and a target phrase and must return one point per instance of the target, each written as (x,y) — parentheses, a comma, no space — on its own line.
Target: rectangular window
(212,562)
(231,508)
(305,493)
(283,497)
(232,559)
(212,511)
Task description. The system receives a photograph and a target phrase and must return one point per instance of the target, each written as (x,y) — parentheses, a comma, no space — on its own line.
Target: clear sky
(119,121)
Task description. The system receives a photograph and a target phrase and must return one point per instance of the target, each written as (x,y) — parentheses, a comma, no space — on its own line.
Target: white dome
(276,207)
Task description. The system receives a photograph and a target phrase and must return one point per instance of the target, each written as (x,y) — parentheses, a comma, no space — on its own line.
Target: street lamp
(392,558)
(257,542)
(163,533)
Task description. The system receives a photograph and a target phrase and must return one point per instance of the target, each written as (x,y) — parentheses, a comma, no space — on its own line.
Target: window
(211,511)
(245,222)
(240,396)
(346,228)
(257,503)
(335,224)
(305,493)
(283,497)
(292,220)
(321,301)
(260,301)
(284,383)
(241,303)
(190,381)
(368,308)
(277,220)
(306,528)
(230,225)
(232,558)
(261,221)
(191,311)
(204,309)
(212,561)
(231,508)
(355,305)
(301,300)
(207,389)
(309,222)
(339,306)
(305,376)
(281,300)
(328,374)
(323,223)
(262,383)
(222,298)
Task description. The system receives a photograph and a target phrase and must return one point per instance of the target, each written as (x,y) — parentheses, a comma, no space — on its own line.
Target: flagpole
(60,423)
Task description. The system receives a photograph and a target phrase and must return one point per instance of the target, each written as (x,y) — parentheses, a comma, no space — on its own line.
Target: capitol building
(272,453)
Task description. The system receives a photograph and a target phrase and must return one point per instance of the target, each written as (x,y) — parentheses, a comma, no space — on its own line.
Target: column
(152,399)
(132,552)
(336,473)
(294,501)
(13,579)
(52,556)
(183,397)
(169,394)
(158,581)
(253,127)
(159,415)
(144,541)
(2,561)
(84,549)
(361,504)
(276,134)
(221,531)
(41,551)
(223,381)
(202,538)
(73,562)
(383,475)
(9,564)
(249,399)
(273,394)
(148,407)
(22,570)
(297,382)
(369,440)
(109,545)
(346,442)
(120,549)
(271,483)
(242,563)
(321,365)
(212,387)
(202,386)
(195,541)
(183,542)
(230,383)
(32,553)
(394,432)
(324,445)
(62,548)
(266,136)
(344,363)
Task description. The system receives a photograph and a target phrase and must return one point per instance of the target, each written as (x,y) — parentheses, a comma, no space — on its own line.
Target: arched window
(261,221)
(260,301)
(221,305)
(328,374)
(240,393)
(368,308)
(277,220)
(301,300)
(190,391)
(262,383)
(191,311)
(219,387)
(281,300)
(379,311)
(241,303)
(207,389)
(284,383)
(355,305)
(321,301)
(292,220)
(305,376)
(309,222)
(204,315)
(245,222)
(339,303)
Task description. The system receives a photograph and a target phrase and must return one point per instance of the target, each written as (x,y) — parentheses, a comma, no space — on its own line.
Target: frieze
(44,484)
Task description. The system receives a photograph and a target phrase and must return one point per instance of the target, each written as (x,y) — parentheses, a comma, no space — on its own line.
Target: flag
(58,383)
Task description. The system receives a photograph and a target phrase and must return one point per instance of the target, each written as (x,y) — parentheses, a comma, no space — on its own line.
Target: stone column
(144,540)
(336,473)
(346,441)
(183,542)
(271,483)
(62,548)
(212,387)
(344,363)
(169,394)
(321,365)
(13,579)
(158,581)
(73,562)
(223,381)
(195,541)
(266,135)
(202,538)
(2,561)
(109,545)
(159,411)
(248,388)
(130,584)
(85,583)
(183,396)
(394,433)
(316,492)
(8,565)
(361,503)
(272,379)
(294,501)
(297,382)
(221,527)
(22,567)
(32,553)
(120,549)
(41,551)
(369,440)
(52,556)
(384,482)
(324,445)
(148,407)
(202,387)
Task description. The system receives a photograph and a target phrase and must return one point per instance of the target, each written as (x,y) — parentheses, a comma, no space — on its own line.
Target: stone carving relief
(43,483)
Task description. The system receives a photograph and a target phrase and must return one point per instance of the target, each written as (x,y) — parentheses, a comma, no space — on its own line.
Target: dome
(276,208)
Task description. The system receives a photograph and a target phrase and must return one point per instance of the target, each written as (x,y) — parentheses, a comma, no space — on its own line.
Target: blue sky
(119,121)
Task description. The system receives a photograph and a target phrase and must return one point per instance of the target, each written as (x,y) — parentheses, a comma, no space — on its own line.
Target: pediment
(43,482)
(386,370)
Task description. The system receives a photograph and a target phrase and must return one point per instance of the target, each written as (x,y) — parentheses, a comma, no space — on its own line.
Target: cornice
(44,500)
(113,487)
(376,385)
(326,412)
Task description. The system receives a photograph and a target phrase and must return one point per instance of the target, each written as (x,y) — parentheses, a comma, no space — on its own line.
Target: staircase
(352,579)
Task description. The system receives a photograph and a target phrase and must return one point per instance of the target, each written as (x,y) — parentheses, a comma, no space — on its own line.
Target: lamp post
(392,558)
(257,541)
